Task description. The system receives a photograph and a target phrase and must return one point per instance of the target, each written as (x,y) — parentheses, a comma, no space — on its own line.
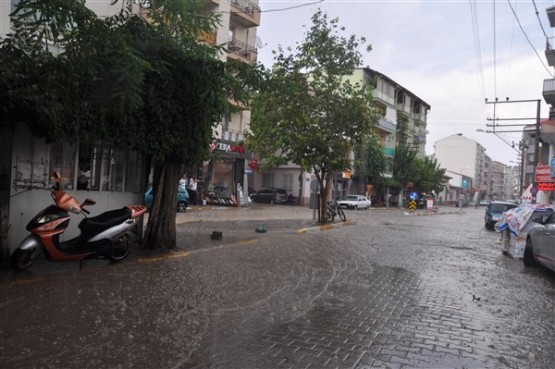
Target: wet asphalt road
(388,291)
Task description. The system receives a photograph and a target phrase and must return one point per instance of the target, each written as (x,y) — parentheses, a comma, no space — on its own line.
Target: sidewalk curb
(327,227)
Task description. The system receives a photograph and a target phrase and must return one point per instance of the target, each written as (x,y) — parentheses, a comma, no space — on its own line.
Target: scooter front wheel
(120,249)
(24,258)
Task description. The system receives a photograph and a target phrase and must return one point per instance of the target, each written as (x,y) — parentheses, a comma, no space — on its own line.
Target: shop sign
(546,186)
(543,174)
(225,147)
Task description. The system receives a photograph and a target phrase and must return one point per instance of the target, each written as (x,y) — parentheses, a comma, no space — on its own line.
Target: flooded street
(389,291)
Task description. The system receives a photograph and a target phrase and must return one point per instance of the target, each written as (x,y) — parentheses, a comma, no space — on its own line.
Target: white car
(540,242)
(355,202)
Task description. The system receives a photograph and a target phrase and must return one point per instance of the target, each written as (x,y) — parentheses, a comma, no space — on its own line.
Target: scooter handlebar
(85,211)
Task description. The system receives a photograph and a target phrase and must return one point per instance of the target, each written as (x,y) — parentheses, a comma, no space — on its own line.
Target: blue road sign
(413,196)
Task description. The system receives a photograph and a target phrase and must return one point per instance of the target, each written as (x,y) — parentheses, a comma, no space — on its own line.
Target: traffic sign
(413,196)
(412,205)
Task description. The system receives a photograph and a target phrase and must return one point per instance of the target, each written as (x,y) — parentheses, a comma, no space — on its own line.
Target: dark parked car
(494,212)
(270,195)
(182,199)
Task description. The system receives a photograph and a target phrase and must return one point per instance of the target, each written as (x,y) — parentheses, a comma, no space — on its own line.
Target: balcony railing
(420,139)
(549,91)
(550,51)
(242,49)
(232,135)
(386,125)
(246,12)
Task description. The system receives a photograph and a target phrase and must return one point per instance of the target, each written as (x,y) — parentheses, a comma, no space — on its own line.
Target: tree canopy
(143,80)
(307,111)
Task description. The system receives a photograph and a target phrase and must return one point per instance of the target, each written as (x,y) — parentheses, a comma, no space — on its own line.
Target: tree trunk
(160,231)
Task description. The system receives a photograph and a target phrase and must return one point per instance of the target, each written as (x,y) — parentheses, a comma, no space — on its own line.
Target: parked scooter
(105,236)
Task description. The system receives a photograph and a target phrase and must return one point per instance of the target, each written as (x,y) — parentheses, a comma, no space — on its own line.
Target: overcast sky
(451,54)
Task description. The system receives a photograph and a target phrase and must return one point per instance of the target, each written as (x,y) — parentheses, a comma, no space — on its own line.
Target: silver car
(355,202)
(540,242)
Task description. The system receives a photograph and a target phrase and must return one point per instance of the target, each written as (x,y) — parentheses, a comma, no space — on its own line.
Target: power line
(477,47)
(539,20)
(292,7)
(527,39)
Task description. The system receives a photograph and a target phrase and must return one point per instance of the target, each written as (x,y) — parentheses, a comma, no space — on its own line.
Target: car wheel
(528,258)
(181,207)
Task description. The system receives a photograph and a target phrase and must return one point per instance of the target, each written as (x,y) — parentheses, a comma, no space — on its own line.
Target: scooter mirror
(88,202)
(57,176)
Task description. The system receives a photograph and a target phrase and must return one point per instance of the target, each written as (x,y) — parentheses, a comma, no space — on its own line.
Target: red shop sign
(543,174)
(546,186)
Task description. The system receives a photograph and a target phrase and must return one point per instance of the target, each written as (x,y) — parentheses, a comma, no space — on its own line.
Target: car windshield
(501,207)
(351,198)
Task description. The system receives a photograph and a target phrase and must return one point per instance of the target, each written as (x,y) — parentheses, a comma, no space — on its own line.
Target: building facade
(462,155)
(110,175)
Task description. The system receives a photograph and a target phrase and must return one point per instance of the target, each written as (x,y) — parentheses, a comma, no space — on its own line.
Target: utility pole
(521,146)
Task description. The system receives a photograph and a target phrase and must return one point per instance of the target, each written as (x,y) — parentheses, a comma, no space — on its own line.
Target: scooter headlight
(46,218)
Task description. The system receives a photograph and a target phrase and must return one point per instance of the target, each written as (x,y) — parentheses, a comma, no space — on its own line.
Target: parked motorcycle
(105,236)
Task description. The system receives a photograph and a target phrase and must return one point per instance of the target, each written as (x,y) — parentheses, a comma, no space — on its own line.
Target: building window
(100,167)
(62,160)
(288,182)
(267,180)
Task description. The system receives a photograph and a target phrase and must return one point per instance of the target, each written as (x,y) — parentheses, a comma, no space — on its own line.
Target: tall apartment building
(404,114)
(546,154)
(236,32)
(467,157)
(497,181)
(403,119)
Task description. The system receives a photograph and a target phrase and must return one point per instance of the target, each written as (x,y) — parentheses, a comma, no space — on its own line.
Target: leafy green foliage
(371,162)
(307,111)
(145,83)
(424,173)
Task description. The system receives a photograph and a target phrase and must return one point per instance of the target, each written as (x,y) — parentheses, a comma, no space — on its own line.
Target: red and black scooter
(104,236)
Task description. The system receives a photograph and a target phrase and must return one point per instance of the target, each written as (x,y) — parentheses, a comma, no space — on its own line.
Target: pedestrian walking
(192,191)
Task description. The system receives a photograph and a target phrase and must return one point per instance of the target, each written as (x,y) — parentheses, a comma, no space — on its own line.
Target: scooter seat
(92,226)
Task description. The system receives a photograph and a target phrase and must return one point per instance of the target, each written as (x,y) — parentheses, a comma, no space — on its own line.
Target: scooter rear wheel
(120,249)
(23,259)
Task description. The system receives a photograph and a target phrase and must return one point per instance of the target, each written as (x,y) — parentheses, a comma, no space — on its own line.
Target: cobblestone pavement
(389,291)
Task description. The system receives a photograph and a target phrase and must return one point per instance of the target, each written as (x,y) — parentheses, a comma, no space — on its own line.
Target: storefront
(223,178)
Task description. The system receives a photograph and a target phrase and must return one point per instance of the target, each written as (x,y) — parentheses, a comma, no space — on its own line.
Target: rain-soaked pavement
(388,291)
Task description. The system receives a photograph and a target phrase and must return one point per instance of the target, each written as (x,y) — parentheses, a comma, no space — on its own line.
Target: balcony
(377,94)
(241,50)
(389,151)
(386,125)
(550,51)
(419,139)
(232,135)
(404,109)
(549,91)
(551,15)
(245,13)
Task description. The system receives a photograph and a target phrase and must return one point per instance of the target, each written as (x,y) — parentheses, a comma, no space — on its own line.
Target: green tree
(148,85)
(428,175)
(307,111)
(371,162)
(403,165)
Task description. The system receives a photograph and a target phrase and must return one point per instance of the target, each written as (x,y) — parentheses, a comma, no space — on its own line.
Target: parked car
(540,242)
(270,195)
(355,202)
(182,199)
(494,212)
